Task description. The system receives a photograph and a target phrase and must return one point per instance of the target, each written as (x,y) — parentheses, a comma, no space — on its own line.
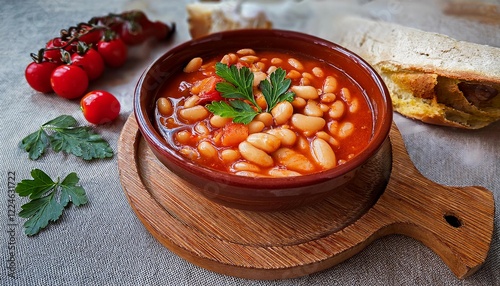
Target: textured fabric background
(103,242)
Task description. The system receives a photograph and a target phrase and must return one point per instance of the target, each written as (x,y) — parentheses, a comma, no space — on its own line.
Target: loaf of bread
(209,17)
(431,77)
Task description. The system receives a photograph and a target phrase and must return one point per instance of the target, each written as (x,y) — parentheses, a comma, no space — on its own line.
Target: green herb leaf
(238,89)
(239,82)
(48,199)
(240,111)
(35,144)
(275,89)
(66,136)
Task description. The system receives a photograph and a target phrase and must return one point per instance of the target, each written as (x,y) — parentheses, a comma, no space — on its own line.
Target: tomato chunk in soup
(325,123)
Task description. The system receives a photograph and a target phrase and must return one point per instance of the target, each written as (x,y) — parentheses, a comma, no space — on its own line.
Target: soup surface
(264,113)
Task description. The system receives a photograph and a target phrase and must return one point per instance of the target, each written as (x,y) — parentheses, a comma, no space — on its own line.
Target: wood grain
(455,222)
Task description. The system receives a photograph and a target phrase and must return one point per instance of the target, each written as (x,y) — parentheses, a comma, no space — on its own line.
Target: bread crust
(209,17)
(423,71)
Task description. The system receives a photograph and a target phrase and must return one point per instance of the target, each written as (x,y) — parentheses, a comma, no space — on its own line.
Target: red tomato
(69,81)
(90,38)
(132,34)
(53,52)
(160,30)
(99,107)
(38,75)
(209,96)
(113,52)
(91,62)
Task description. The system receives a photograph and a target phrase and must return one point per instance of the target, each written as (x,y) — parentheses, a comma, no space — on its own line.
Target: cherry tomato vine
(68,63)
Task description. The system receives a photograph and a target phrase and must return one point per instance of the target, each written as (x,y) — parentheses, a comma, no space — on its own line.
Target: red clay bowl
(260,194)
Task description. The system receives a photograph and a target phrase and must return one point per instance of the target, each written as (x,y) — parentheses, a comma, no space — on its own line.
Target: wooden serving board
(455,222)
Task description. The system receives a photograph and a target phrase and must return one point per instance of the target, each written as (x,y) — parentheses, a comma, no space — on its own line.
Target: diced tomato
(210,96)
(233,134)
(205,85)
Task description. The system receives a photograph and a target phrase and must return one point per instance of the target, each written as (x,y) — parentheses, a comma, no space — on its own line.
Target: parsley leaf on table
(47,199)
(65,135)
(238,88)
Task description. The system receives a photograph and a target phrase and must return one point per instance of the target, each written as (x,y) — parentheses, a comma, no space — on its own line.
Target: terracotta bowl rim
(155,140)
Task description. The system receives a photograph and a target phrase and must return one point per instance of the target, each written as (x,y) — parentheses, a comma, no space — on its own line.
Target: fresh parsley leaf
(65,135)
(239,82)
(275,89)
(47,199)
(240,111)
(35,144)
(238,89)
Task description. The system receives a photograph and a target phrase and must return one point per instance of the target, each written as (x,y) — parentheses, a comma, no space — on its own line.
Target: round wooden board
(297,242)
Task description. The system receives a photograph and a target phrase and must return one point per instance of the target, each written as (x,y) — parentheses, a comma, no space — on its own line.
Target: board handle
(455,222)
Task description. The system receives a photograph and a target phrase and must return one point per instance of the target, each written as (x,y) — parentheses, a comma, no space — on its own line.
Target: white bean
(249,59)
(318,72)
(276,61)
(165,106)
(299,102)
(207,150)
(193,65)
(323,154)
(264,141)
(293,74)
(354,105)
(330,84)
(258,77)
(328,138)
(312,109)
(345,129)
(189,152)
(219,121)
(183,136)
(282,112)
(255,126)
(280,173)
(246,52)
(245,166)
(306,123)
(337,110)
(305,91)
(265,117)
(346,94)
(230,155)
(286,136)
(328,97)
(255,155)
(293,160)
(195,113)
(296,64)
(191,101)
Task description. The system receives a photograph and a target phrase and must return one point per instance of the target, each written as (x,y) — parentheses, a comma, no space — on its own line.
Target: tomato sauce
(323,95)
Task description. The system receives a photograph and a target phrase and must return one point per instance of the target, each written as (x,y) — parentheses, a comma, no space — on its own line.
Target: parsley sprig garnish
(238,89)
(63,134)
(48,199)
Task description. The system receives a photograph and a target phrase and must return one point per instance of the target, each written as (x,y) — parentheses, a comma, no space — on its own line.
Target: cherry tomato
(53,52)
(113,52)
(69,81)
(99,107)
(90,61)
(38,75)
(161,31)
(133,33)
(90,37)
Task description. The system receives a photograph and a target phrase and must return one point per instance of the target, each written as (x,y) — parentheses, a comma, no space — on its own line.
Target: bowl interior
(174,60)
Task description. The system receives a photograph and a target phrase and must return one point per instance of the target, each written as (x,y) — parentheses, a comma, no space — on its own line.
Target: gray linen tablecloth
(104,243)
